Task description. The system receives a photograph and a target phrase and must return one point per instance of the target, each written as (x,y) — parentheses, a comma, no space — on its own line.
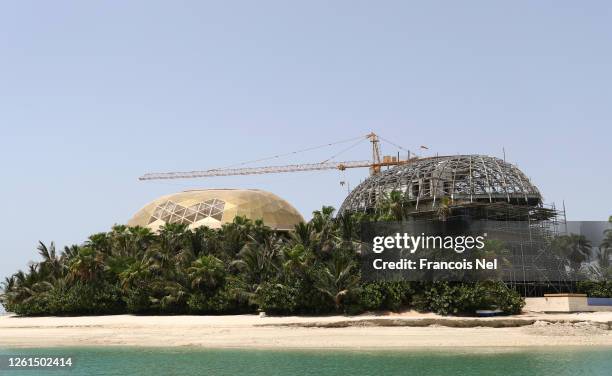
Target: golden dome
(214,207)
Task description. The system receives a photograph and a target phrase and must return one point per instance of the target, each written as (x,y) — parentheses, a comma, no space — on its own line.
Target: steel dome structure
(462,179)
(479,188)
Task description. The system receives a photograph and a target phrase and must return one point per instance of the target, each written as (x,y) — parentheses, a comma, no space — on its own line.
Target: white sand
(365,331)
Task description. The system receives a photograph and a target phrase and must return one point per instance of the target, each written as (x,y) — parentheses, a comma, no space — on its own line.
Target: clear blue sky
(92,95)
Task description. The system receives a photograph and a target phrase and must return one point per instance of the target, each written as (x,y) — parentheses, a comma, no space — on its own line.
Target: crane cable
(397,146)
(290,153)
(344,150)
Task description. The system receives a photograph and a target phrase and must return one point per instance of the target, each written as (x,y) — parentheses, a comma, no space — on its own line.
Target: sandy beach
(404,330)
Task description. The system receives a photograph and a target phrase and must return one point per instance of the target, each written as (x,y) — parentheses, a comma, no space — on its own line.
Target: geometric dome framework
(171,212)
(461,178)
(214,207)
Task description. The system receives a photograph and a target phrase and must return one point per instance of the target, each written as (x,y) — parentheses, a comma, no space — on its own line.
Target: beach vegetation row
(242,267)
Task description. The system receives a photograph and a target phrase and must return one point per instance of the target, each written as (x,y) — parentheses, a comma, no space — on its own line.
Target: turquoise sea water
(172,361)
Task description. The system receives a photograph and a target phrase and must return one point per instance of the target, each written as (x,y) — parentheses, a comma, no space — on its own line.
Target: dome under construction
(458,180)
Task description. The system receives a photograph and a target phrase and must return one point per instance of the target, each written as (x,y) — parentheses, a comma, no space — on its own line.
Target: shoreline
(392,331)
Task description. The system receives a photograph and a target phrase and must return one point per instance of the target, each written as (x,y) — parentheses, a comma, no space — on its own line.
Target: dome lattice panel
(171,212)
(215,207)
(461,178)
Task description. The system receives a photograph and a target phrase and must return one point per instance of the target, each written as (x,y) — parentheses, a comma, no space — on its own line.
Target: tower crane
(375,165)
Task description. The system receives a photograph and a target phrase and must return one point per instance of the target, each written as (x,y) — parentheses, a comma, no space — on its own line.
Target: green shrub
(600,289)
(137,300)
(198,303)
(370,298)
(447,298)
(397,294)
(441,298)
(276,298)
(82,298)
(203,304)
(309,299)
(225,299)
(30,307)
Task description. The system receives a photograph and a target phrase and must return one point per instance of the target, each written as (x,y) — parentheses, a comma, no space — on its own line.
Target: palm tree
(8,289)
(323,218)
(444,208)
(99,242)
(304,234)
(44,289)
(69,252)
(325,228)
(607,241)
(234,236)
(87,265)
(296,259)
(337,279)
(171,295)
(9,283)
(22,287)
(164,253)
(349,226)
(202,241)
(574,249)
(601,269)
(124,241)
(51,263)
(206,271)
(135,273)
(257,261)
(393,207)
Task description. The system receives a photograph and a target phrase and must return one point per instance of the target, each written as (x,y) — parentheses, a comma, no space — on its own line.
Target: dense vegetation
(593,271)
(600,271)
(242,267)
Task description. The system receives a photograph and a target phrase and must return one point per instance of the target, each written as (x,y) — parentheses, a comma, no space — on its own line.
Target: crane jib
(256,170)
(374,165)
